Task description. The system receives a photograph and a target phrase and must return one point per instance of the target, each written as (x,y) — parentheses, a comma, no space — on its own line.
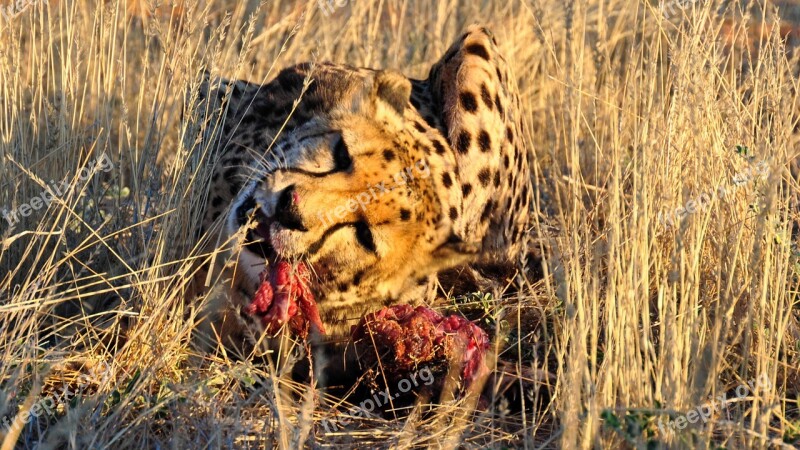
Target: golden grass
(632,115)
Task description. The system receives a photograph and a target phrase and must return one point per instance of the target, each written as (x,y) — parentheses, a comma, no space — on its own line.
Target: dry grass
(632,115)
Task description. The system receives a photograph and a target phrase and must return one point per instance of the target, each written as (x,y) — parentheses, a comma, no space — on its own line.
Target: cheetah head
(356,194)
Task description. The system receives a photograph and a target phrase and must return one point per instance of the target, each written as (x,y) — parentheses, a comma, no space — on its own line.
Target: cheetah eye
(341,156)
(364,236)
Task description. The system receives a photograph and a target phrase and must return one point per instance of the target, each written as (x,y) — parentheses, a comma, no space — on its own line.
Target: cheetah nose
(287,212)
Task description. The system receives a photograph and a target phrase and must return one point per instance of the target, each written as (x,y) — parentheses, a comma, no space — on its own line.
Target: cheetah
(375,181)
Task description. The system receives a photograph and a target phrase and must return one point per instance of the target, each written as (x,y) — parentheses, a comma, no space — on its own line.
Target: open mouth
(259,240)
(284,296)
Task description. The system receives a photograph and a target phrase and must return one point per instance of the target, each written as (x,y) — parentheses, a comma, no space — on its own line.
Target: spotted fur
(442,161)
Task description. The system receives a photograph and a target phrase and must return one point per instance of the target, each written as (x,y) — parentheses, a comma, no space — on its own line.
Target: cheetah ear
(393,89)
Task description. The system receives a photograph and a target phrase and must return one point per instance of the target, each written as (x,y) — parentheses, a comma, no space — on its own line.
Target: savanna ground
(634,111)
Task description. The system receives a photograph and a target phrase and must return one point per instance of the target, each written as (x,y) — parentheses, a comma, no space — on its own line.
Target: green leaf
(611,419)
(115,398)
(132,383)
